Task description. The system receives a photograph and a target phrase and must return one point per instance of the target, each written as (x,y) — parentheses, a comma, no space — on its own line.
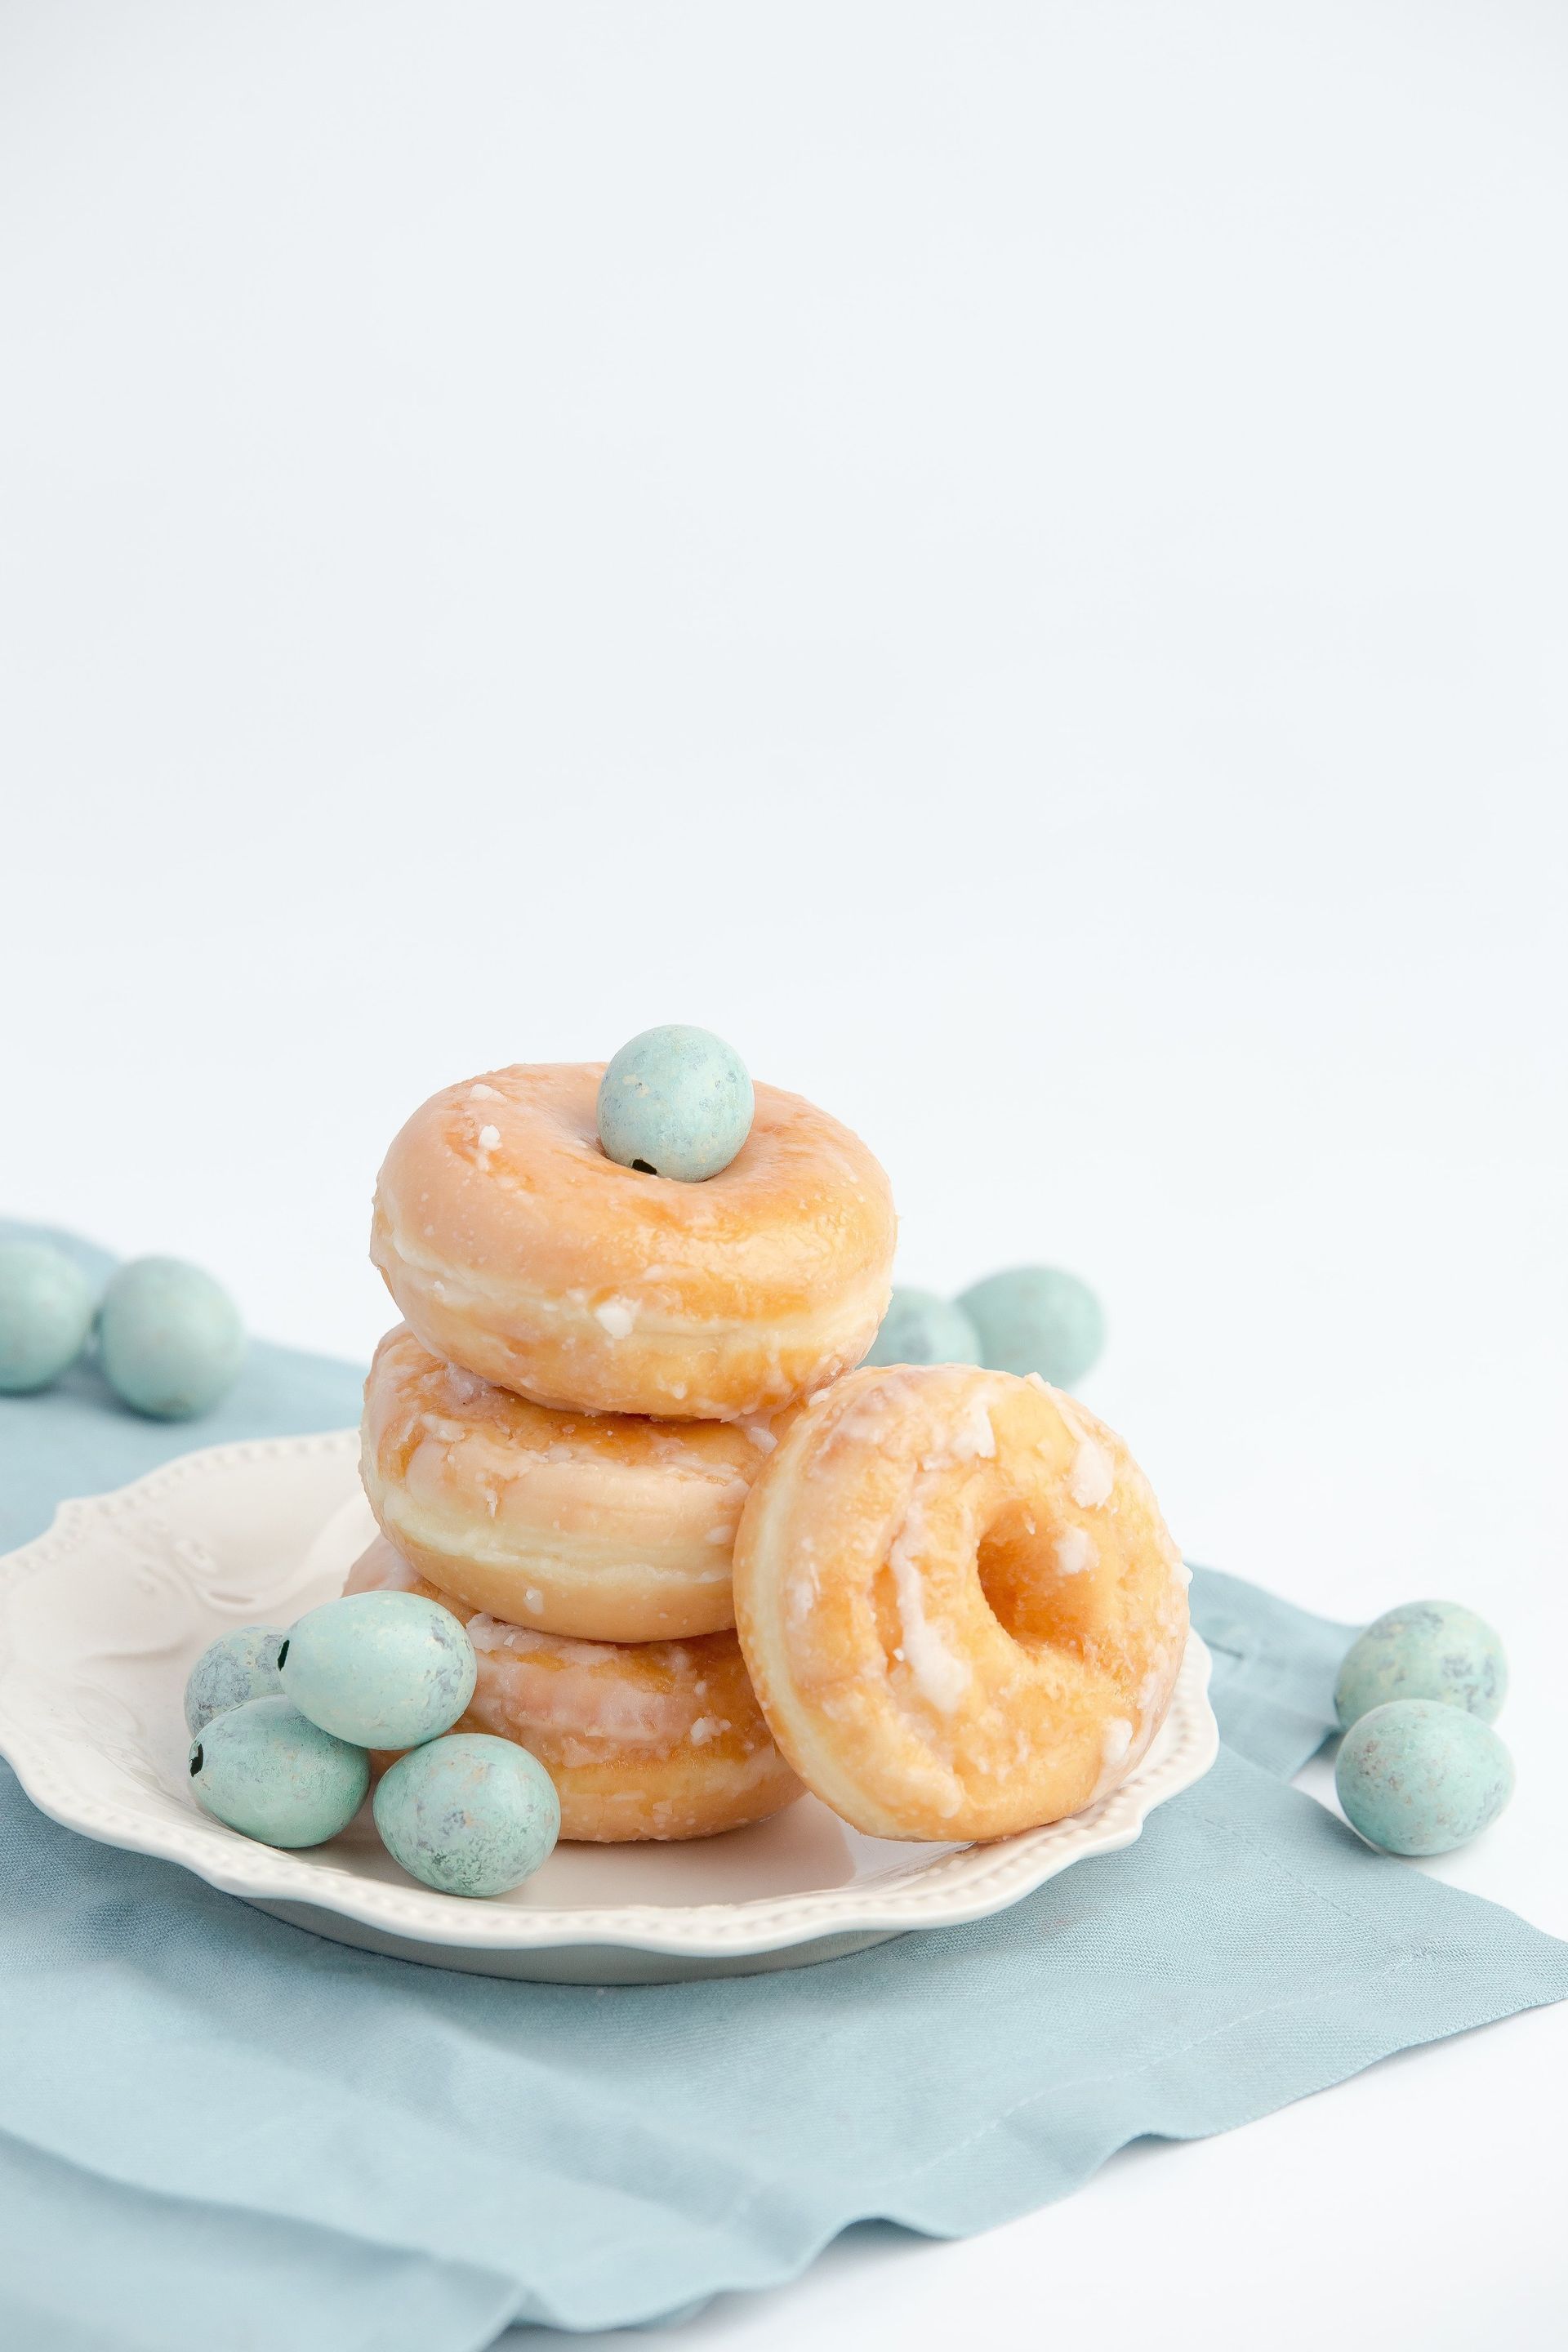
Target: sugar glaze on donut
(960,1608)
(644,1740)
(607,1527)
(514,1247)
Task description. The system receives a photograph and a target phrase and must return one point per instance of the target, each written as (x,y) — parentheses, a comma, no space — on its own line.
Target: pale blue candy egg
(1420,1776)
(271,1773)
(1427,1649)
(468,1815)
(170,1339)
(1036,1318)
(383,1669)
(675,1102)
(46,1313)
(919,1328)
(237,1666)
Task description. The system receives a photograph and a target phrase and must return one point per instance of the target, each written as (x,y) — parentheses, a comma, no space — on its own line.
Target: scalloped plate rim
(958,1886)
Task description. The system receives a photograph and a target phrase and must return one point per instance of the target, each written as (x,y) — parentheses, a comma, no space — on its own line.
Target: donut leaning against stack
(960,1608)
(596,1360)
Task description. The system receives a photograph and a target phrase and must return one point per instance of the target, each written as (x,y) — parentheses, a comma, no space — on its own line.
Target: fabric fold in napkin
(217,2128)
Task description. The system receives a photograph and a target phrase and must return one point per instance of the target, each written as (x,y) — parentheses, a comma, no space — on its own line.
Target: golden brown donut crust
(962,1610)
(608,1526)
(514,1247)
(644,1741)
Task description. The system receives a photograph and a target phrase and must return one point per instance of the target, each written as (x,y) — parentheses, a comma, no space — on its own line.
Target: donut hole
(1025,1590)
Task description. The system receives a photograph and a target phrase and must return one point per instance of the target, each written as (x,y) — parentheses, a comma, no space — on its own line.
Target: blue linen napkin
(219,2129)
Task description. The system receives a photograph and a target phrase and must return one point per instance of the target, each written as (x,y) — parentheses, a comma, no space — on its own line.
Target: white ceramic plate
(101,1618)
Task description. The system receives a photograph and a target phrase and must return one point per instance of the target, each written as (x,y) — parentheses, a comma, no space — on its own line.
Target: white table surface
(1009,559)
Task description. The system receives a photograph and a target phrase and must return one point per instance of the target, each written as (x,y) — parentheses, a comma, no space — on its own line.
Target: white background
(1012,560)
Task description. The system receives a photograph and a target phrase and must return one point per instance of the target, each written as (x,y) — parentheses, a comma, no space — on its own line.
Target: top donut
(516,1248)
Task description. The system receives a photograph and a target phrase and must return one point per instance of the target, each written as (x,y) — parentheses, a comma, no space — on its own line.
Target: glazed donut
(958,1601)
(653,1739)
(600,1525)
(515,1248)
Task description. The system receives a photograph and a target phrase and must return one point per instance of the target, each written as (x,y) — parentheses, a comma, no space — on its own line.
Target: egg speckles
(470,1815)
(237,1666)
(270,1772)
(675,1102)
(1426,1649)
(381,1669)
(1417,1776)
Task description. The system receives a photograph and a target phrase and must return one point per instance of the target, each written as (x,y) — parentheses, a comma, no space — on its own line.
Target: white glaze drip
(938,1673)
(1075,1552)
(1092,1477)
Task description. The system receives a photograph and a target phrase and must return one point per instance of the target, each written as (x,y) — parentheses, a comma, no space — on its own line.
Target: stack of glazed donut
(701,1560)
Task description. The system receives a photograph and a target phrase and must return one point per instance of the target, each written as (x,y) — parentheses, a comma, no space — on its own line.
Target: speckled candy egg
(1036,1318)
(919,1328)
(468,1815)
(170,1339)
(383,1669)
(237,1666)
(46,1313)
(675,1102)
(1427,1649)
(271,1773)
(1420,1776)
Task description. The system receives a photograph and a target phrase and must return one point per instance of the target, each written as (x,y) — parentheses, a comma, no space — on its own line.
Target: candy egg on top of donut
(675,1102)
(517,1247)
